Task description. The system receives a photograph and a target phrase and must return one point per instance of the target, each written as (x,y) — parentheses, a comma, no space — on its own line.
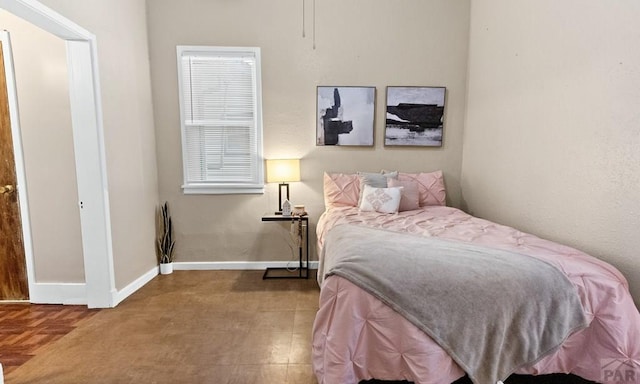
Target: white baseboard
(58,293)
(237,265)
(76,293)
(119,296)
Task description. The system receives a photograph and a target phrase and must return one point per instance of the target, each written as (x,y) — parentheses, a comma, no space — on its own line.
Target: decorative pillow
(377,180)
(410,197)
(341,189)
(383,200)
(430,186)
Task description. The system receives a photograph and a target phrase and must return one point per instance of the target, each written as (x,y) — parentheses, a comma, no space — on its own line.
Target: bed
(360,335)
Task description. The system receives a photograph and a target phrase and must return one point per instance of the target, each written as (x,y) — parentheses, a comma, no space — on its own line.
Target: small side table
(303,269)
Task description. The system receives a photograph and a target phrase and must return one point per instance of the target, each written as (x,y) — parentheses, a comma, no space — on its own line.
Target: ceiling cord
(304,27)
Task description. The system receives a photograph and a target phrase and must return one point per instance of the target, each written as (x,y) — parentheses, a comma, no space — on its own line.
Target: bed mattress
(357,337)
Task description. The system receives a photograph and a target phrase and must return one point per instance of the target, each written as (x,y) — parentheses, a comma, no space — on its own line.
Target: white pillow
(378,180)
(383,200)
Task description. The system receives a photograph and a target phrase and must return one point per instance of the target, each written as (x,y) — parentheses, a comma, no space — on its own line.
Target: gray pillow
(376,180)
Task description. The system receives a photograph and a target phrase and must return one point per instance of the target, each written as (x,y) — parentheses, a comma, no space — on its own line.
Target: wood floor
(214,327)
(25,328)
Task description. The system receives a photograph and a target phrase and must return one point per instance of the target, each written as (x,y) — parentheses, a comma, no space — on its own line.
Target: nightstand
(302,269)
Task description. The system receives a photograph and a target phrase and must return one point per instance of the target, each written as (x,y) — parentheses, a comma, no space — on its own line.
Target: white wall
(120,29)
(552,137)
(359,43)
(40,63)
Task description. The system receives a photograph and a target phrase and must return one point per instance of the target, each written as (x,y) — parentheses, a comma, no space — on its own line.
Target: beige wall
(552,138)
(120,29)
(40,63)
(362,42)
(550,145)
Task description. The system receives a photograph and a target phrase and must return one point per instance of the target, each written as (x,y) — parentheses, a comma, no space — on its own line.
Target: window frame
(257,185)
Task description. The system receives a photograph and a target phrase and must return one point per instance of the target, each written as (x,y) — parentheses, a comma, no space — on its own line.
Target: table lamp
(282,171)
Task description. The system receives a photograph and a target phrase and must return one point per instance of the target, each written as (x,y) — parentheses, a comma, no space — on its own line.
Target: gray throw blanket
(492,310)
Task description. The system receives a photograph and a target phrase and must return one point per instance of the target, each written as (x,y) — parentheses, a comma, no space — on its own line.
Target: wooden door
(13,270)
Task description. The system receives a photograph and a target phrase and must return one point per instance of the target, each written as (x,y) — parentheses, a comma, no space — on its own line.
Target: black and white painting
(414,116)
(345,115)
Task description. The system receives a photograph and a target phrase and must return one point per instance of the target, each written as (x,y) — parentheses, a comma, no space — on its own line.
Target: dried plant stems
(165,240)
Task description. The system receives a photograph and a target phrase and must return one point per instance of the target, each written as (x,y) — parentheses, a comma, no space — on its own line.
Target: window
(221,119)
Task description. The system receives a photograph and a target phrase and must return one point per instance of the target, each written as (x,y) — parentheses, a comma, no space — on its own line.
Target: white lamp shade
(283,170)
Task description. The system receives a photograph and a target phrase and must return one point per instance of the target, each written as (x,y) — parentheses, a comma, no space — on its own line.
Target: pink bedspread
(356,337)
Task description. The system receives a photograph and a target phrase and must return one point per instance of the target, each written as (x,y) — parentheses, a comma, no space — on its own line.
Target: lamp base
(277,213)
(280,199)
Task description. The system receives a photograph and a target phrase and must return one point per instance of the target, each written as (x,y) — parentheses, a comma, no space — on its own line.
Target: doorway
(90,164)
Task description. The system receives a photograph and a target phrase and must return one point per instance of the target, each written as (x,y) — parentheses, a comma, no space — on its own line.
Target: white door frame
(90,159)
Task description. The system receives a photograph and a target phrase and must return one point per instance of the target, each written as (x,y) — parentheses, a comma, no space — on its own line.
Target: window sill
(221,190)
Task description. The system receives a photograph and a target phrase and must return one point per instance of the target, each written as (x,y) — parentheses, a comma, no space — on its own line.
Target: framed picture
(345,115)
(415,116)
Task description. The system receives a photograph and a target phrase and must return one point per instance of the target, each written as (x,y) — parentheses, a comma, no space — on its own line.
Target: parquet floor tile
(25,328)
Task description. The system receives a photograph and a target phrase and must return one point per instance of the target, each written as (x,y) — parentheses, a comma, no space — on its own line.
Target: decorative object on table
(283,171)
(164,239)
(345,115)
(298,210)
(415,116)
(286,208)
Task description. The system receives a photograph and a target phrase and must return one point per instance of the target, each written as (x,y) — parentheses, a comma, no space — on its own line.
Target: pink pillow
(410,198)
(430,186)
(341,189)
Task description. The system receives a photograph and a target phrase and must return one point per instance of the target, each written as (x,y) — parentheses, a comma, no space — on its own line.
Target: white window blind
(220,110)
